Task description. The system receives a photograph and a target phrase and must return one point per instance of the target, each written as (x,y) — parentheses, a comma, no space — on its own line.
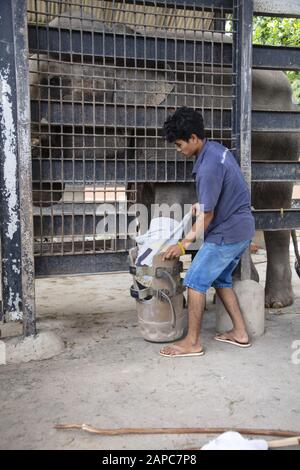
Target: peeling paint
(14,302)
(10,150)
(15,268)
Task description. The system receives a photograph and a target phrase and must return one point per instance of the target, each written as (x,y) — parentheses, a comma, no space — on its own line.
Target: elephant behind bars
(190,85)
(55,80)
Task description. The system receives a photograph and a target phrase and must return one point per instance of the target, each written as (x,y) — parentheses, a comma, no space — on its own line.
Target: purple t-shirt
(221,187)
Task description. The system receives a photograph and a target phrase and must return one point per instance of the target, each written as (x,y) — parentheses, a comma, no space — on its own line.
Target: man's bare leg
(191,343)
(230,301)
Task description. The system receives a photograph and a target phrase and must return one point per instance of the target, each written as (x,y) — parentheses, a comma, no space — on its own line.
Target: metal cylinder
(162,320)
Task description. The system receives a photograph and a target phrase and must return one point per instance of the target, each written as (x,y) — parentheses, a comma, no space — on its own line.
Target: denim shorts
(214,264)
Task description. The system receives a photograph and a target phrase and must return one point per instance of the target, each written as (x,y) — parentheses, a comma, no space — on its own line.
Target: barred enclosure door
(103,78)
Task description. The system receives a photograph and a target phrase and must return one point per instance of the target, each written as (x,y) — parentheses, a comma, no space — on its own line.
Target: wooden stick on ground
(290,441)
(118,431)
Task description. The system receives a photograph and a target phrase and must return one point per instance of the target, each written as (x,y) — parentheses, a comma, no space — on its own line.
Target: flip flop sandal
(198,353)
(234,342)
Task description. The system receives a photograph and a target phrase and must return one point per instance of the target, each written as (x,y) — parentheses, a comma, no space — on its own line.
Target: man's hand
(174,251)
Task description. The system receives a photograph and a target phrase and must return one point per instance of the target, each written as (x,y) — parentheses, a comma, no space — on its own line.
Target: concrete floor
(109,377)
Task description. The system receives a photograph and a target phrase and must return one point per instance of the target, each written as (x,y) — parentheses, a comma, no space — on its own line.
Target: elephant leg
(278,289)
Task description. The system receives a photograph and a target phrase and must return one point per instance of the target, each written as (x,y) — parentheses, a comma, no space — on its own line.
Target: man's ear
(195,138)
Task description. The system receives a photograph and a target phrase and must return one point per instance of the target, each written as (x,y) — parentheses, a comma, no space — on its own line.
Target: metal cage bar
(242,44)
(276,7)
(15,169)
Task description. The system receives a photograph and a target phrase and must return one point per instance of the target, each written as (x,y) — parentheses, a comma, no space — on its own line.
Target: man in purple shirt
(228,224)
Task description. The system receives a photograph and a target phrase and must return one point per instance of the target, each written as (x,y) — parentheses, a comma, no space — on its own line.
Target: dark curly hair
(182,124)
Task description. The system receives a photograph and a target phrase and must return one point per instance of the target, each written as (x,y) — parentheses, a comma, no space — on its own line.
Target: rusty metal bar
(10,203)
(118,261)
(152,170)
(135,117)
(275,171)
(132,115)
(288,8)
(120,46)
(24,166)
(81,263)
(86,221)
(243,44)
(15,173)
(277,219)
(188,4)
(139,48)
(276,57)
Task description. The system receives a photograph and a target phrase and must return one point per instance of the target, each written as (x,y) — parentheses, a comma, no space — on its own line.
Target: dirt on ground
(110,377)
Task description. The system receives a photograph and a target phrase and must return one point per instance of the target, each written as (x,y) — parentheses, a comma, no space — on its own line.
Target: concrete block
(42,346)
(11,328)
(2,352)
(251,297)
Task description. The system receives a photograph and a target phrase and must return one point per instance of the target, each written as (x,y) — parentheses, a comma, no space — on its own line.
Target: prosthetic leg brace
(160,303)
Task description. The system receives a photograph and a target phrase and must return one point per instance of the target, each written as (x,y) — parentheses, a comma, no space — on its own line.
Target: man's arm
(198,228)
